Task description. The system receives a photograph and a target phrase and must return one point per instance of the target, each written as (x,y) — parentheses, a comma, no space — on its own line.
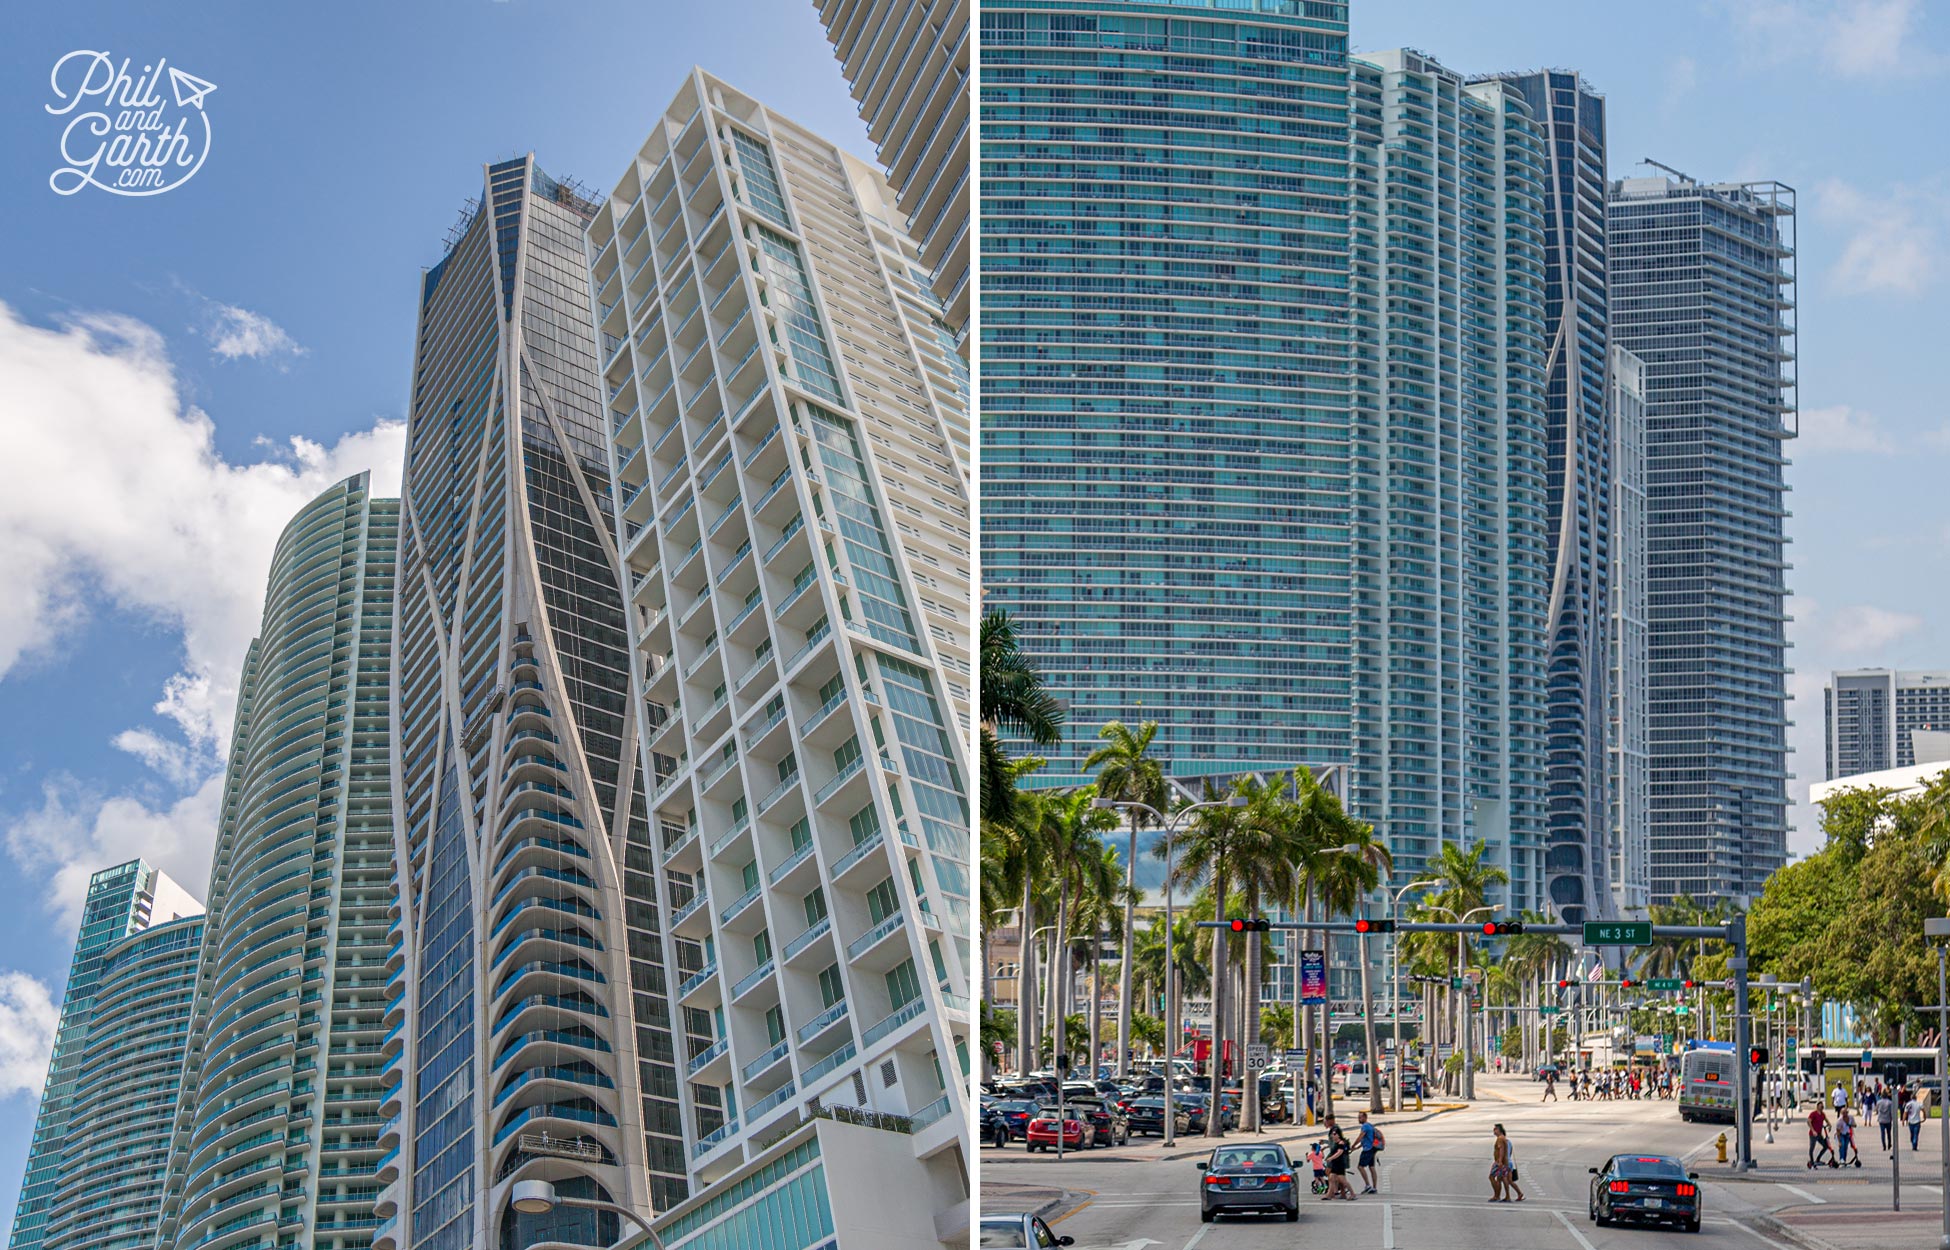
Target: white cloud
(1840,428)
(1894,241)
(1863,629)
(240,333)
(116,493)
(28,1016)
(1851,38)
(77,831)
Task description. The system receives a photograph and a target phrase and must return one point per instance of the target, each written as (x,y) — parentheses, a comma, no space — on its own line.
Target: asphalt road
(1434,1187)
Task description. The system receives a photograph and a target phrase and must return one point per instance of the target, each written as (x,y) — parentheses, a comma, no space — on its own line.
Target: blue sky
(159,356)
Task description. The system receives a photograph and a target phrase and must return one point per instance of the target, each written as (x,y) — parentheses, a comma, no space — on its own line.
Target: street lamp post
(539,1198)
(1395,988)
(1466,1086)
(1171,826)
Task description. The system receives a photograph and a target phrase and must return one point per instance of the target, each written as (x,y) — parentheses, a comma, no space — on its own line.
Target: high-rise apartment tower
(1874,716)
(1702,289)
(788,437)
(1630,791)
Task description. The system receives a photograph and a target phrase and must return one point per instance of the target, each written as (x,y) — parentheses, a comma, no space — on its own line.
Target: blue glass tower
(1165,350)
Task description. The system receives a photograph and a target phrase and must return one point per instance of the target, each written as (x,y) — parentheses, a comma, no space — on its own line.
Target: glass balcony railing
(823,925)
(910,1010)
(766,1060)
(823,1021)
(829,1064)
(874,936)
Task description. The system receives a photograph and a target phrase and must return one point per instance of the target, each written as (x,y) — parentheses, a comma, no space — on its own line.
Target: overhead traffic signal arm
(1364,924)
(1258,924)
(1502,928)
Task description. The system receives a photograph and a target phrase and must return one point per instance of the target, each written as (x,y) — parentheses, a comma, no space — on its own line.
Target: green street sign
(1665,983)
(1550,1011)
(1618,933)
(1682,1009)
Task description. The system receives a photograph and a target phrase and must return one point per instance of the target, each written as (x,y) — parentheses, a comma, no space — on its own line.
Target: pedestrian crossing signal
(1757,1056)
(1365,925)
(1258,924)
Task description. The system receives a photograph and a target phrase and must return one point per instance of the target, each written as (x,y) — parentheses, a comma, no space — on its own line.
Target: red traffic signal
(1501,928)
(1626,983)
(1690,984)
(1757,1056)
(1258,924)
(1563,985)
(1364,925)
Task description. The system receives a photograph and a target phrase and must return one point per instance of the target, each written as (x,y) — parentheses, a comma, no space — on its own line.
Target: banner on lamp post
(1313,978)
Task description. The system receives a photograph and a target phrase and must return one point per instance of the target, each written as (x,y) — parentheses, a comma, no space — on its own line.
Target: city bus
(1842,1065)
(1707,1085)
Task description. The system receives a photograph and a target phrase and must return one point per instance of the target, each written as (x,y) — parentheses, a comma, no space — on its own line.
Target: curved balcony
(552,1009)
(552,1045)
(541,1115)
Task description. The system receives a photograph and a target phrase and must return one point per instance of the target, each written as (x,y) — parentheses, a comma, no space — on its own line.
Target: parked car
(1147,1116)
(1076,1133)
(1017,1113)
(1247,1178)
(1113,1127)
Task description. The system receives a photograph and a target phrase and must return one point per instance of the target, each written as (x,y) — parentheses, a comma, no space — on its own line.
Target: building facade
(1702,285)
(535,1033)
(122,900)
(276,1136)
(794,538)
(1447,452)
(1166,371)
(1628,762)
(1579,492)
(1881,718)
(126,1089)
(908,66)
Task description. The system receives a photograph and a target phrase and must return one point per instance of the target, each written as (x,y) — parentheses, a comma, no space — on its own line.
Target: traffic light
(1258,924)
(1501,928)
(1626,983)
(1757,1056)
(1563,985)
(1365,925)
(1690,984)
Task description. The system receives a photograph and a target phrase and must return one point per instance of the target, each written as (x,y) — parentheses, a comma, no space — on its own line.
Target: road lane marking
(1198,1236)
(1573,1229)
(1753,1232)
(1387,1227)
(1799,1192)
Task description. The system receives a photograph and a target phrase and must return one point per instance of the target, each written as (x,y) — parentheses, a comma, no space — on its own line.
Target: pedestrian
(1913,1115)
(1499,1165)
(1818,1137)
(1369,1143)
(1550,1087)
(1886,1118)
(1337,1152)
(1845,1140)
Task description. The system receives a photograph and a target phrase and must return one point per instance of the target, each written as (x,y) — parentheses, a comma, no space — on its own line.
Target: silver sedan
(1020,1231)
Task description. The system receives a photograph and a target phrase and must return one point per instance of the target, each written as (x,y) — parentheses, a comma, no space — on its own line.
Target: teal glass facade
(120,901)
(1165,347)
(126,1091)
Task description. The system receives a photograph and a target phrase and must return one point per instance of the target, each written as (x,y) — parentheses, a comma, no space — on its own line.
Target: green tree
(1079,873)
(1128,772)
(1206,853)
(1276,1026)
(1013,700)
(1345,871)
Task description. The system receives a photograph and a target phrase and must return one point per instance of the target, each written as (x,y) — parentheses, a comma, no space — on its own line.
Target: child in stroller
(1318,1162)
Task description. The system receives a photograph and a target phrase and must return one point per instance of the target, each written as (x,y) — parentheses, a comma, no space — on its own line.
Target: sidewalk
(1840,1208)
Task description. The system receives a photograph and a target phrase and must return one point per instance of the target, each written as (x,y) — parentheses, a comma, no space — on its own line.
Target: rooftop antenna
(1682,176)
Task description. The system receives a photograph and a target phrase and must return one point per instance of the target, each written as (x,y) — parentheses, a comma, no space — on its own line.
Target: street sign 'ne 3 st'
(1618,933)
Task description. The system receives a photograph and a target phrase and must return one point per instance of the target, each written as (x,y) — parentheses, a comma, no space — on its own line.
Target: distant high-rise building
(907,62)
(1451,568)
(1630,791)
(788,436)
(1702,287)
(277,1131)
(125,899)
(1878,718)
(1579,486)
(1167,385)
(537,1020)
(126,1088)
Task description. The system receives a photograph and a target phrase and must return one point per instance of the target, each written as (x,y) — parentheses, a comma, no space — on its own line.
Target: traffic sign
(1868,1059)
(1550,1011)
(1256,1056)
(1729,983)
(1618,933)
(1794,1047)
(1664,983)
(1296,1061)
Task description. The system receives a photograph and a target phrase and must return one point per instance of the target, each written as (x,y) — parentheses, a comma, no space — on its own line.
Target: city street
(1434,1187)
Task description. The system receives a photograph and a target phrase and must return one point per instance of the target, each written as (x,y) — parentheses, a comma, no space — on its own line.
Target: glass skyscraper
(277,1137)
(1167,378)
(1450,555)
(1702,286)
(1630,790)
(789,430)
(536,1020)
(126,1090)
(121,900)
(1578,488)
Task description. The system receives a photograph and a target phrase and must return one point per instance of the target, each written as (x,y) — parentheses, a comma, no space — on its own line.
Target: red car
(1042,1133)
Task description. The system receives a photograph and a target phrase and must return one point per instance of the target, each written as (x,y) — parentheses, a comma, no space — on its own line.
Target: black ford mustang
(1650,1189)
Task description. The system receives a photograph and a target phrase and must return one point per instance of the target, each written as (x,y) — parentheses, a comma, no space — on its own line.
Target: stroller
(1317,1160)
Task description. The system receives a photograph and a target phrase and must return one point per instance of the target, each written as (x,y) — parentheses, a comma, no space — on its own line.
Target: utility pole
(1940,929)
(1742,1044)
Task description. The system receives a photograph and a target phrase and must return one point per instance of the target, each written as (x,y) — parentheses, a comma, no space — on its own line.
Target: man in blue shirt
(1369,1143)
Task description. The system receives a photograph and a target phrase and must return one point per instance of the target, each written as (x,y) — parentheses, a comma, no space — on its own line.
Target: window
(830,989)
(883,900)
(903,986)
(815,906)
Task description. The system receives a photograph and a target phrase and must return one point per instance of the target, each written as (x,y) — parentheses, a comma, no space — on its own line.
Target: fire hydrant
(1721,1144)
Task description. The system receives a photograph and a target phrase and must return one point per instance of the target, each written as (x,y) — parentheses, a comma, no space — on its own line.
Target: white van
(1356,1080)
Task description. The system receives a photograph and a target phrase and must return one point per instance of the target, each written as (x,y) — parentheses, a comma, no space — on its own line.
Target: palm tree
(1276,1026)
(1014,853)
(1189,973)
(1074,852)
(1538,957)
(1467,879)
(1128,772)
(1101,897)
(1319,822)
(1205,854)
(1343,878)
(1263,859)
(1013,700)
